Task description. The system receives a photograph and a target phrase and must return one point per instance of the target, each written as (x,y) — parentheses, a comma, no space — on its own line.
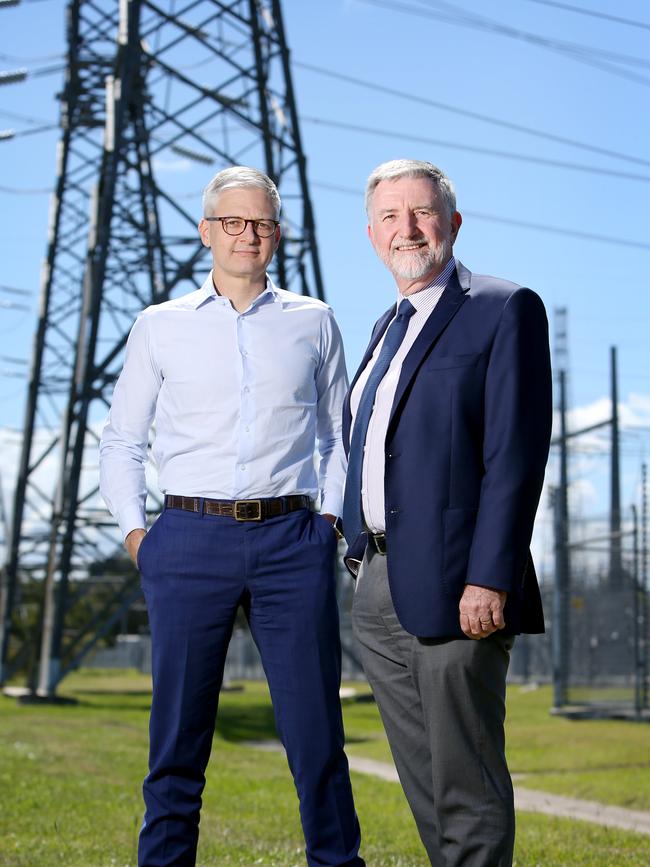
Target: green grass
(70,778)
(599,760)
(606,695)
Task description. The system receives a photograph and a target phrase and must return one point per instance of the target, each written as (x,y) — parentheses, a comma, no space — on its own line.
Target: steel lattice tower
(150,87)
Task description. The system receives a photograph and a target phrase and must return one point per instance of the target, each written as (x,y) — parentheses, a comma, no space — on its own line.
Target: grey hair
(236,177)
(395,169)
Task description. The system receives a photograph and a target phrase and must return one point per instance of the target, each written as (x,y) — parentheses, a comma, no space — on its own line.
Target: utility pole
(615,547)
(636,616)
(561,594)
(561,588)
(645,588)
(146,84)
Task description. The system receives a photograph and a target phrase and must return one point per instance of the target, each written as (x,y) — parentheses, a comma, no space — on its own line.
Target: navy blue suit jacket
(466,449)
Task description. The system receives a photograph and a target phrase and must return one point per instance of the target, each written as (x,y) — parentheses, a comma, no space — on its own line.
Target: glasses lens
(264,228)
(233,225)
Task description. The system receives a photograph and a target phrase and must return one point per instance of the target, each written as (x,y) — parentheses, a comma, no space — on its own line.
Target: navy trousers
(196,570)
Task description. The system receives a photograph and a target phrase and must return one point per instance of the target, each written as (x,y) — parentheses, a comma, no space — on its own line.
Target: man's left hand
(481,611)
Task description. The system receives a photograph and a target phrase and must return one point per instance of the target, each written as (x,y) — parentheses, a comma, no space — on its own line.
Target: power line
(12,58)
(520,224)
(582,53)
(17,76)
(13,305)
(24,118)
(574,233)
(17,191)
(47,70)
(459,15)
(456,145)
(474,115)
(8,134)
(13,76)
(12,290)
(592,13)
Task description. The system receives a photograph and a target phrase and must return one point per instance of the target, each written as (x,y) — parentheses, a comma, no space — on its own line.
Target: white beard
(418,263)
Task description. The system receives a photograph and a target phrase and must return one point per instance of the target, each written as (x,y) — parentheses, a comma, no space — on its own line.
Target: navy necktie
(352,517)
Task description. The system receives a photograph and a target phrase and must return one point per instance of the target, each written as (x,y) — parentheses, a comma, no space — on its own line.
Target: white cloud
(636,412)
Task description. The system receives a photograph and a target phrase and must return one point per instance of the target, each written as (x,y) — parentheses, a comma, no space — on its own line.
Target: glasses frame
(254,224)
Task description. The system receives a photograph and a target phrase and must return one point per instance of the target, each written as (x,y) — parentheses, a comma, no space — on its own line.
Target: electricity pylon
(154,91)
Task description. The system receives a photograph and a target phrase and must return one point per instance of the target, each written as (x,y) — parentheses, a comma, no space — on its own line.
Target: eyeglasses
(237,225)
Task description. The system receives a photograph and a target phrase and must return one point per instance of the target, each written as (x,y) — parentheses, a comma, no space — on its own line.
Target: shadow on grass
(144,707)
(619,766)
(135,693)
(362,698)
(252,722)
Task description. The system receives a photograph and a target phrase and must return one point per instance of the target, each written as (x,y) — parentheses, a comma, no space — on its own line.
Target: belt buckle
(380,543)
(247,506)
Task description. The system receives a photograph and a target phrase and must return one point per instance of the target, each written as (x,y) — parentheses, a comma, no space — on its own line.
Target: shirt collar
(207,293)
(419,299)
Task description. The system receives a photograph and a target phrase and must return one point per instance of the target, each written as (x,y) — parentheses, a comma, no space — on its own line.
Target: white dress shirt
(238,402)
(374,457)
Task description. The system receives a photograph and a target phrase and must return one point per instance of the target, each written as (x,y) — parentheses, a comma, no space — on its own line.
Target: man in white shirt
(242,379)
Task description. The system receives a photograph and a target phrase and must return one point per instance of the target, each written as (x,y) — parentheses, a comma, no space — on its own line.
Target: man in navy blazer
(446,466)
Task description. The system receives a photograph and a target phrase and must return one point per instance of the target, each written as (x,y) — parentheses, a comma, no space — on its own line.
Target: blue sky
(580,238)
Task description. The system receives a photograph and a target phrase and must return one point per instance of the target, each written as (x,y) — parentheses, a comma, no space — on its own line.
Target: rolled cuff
(331,505)
(131,518)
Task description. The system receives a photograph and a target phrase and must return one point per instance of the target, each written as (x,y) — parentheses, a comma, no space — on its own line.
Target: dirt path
(527,800)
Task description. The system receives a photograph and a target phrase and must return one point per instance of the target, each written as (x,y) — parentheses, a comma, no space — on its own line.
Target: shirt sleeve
(123,445)
(331,386)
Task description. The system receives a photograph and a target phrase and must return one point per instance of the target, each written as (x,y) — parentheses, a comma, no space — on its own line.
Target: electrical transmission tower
(154,93)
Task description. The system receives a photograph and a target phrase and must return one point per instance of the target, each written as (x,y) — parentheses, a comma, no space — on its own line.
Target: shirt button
(242,466)
(246,429)
(246,389)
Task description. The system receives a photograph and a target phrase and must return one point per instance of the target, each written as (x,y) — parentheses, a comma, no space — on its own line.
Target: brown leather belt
(240,510)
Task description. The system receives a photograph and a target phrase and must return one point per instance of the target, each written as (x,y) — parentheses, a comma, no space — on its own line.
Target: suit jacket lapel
(450,303)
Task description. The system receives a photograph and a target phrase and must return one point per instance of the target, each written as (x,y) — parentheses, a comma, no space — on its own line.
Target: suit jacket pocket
(445,362)
(458,527)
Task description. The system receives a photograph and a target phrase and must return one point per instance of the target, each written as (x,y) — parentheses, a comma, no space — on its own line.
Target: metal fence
(601,662)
